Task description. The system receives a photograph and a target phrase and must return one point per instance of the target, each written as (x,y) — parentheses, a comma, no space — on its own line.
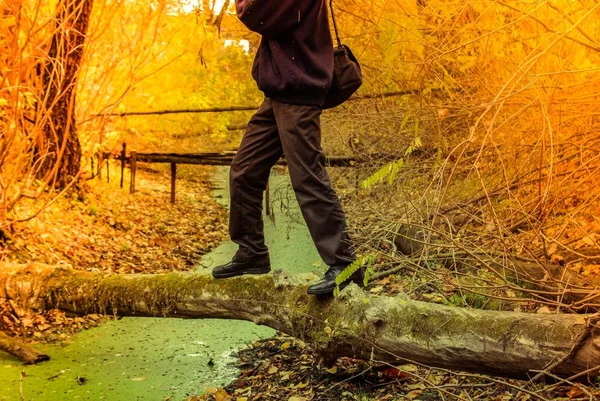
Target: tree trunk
(385,328)
(355,324)
(58,151)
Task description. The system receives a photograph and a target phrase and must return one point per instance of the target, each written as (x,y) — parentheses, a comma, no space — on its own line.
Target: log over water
(355,324)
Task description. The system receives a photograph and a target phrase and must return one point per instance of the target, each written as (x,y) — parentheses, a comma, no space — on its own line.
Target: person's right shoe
(243,264)
(326,285)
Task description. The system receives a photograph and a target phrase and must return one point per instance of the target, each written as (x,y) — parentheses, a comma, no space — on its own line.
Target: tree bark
(355,324)
(58,151)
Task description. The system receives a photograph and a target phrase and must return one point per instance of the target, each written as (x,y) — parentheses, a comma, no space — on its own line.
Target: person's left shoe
(243,264)
(326,285)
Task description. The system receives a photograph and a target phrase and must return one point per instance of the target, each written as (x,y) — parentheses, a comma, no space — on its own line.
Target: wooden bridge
(206,159)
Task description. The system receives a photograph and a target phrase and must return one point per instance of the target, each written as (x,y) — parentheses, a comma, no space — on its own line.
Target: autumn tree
(58,150)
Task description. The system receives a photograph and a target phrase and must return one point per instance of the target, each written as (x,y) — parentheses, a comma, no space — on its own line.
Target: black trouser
(295,130)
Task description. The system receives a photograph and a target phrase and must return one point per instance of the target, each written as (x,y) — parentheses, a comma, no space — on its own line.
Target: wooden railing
(206,159)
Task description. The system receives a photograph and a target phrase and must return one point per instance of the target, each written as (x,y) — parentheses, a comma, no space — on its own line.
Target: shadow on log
(355,324)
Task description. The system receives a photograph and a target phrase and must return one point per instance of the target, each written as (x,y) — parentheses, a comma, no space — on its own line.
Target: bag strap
(335,28)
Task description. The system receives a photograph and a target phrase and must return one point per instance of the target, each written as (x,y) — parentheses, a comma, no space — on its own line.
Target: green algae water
(159,358)
(133,359)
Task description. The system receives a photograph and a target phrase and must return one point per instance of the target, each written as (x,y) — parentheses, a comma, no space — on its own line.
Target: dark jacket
(294,62)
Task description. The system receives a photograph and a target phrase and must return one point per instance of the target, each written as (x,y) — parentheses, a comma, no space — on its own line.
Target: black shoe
(243,264)
(326,285)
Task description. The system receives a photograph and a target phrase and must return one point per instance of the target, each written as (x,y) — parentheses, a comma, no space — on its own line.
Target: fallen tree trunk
(355,324)
(21,350)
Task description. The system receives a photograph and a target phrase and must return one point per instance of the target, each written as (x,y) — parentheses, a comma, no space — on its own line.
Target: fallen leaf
(575,392)
(411,395)
(272,370)
(523,397)
(247,390)
(416,386)
(221,395)
(376,290)
(396,288)
(408,368)
(394,372)
(557,259)
(139,379)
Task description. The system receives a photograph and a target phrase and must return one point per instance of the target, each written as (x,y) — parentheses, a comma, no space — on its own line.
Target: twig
(21,350)
(246,108)
(21,380)
(179,111)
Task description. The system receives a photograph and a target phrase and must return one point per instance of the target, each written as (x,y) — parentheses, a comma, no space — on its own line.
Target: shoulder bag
(347,75)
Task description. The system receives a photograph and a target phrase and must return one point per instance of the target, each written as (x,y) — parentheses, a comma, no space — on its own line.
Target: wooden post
(100,161)
(133,167)
(268,199)
(123,158)
(93,169)
(173,178)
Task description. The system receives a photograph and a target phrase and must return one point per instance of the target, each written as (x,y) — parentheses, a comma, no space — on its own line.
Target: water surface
(158,358)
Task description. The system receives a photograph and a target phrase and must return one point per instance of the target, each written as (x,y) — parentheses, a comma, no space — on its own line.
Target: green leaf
(366,261)
(388,171)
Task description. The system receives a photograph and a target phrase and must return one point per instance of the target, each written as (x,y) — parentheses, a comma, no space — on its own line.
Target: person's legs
(259,151)
(300,132)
